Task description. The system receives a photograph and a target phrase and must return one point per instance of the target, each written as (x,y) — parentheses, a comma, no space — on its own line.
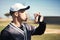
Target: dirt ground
(50,31)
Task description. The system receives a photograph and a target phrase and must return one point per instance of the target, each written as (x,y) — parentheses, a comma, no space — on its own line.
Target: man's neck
(17,23)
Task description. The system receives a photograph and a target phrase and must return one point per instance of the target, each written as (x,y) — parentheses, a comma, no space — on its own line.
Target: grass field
(47,37)
(38,37)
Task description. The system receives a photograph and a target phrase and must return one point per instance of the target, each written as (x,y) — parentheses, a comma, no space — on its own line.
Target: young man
(17,30)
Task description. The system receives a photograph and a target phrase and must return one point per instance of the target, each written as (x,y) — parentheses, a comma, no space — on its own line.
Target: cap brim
(26,8)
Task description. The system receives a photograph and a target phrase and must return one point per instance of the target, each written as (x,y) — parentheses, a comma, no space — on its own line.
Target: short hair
(12,12)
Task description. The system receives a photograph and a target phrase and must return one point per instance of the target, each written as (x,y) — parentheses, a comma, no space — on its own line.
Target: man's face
(22,15)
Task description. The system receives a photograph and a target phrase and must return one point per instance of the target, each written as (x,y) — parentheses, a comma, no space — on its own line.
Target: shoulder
(6,29)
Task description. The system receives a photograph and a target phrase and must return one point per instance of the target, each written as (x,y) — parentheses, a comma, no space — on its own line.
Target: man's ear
(16,14)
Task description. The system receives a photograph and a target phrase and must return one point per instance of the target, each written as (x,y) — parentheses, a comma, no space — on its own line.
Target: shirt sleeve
(39,30)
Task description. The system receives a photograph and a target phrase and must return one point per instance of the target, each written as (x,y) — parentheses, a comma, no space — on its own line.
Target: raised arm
(40,29)
(42,25)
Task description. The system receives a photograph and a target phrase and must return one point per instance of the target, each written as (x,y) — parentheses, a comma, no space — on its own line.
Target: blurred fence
(52,19)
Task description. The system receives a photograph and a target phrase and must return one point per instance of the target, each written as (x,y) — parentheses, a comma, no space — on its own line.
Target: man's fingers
(41,18)
(37,14)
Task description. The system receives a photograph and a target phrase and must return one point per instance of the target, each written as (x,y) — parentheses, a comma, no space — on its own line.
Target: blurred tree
(7,15)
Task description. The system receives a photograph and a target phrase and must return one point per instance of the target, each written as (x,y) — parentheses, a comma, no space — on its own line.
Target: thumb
(41,19)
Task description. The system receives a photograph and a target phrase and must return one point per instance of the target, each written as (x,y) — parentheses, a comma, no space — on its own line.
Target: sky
(45,7)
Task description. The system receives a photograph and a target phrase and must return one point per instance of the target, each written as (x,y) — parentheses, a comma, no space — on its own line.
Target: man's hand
(36,15)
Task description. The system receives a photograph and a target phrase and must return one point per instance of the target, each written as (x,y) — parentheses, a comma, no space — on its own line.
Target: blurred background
(50,9)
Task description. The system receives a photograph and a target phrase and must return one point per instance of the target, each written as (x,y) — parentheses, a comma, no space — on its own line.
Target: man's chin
(25,19)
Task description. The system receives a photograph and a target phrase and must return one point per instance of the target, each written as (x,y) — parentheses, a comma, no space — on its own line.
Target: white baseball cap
(18,6)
